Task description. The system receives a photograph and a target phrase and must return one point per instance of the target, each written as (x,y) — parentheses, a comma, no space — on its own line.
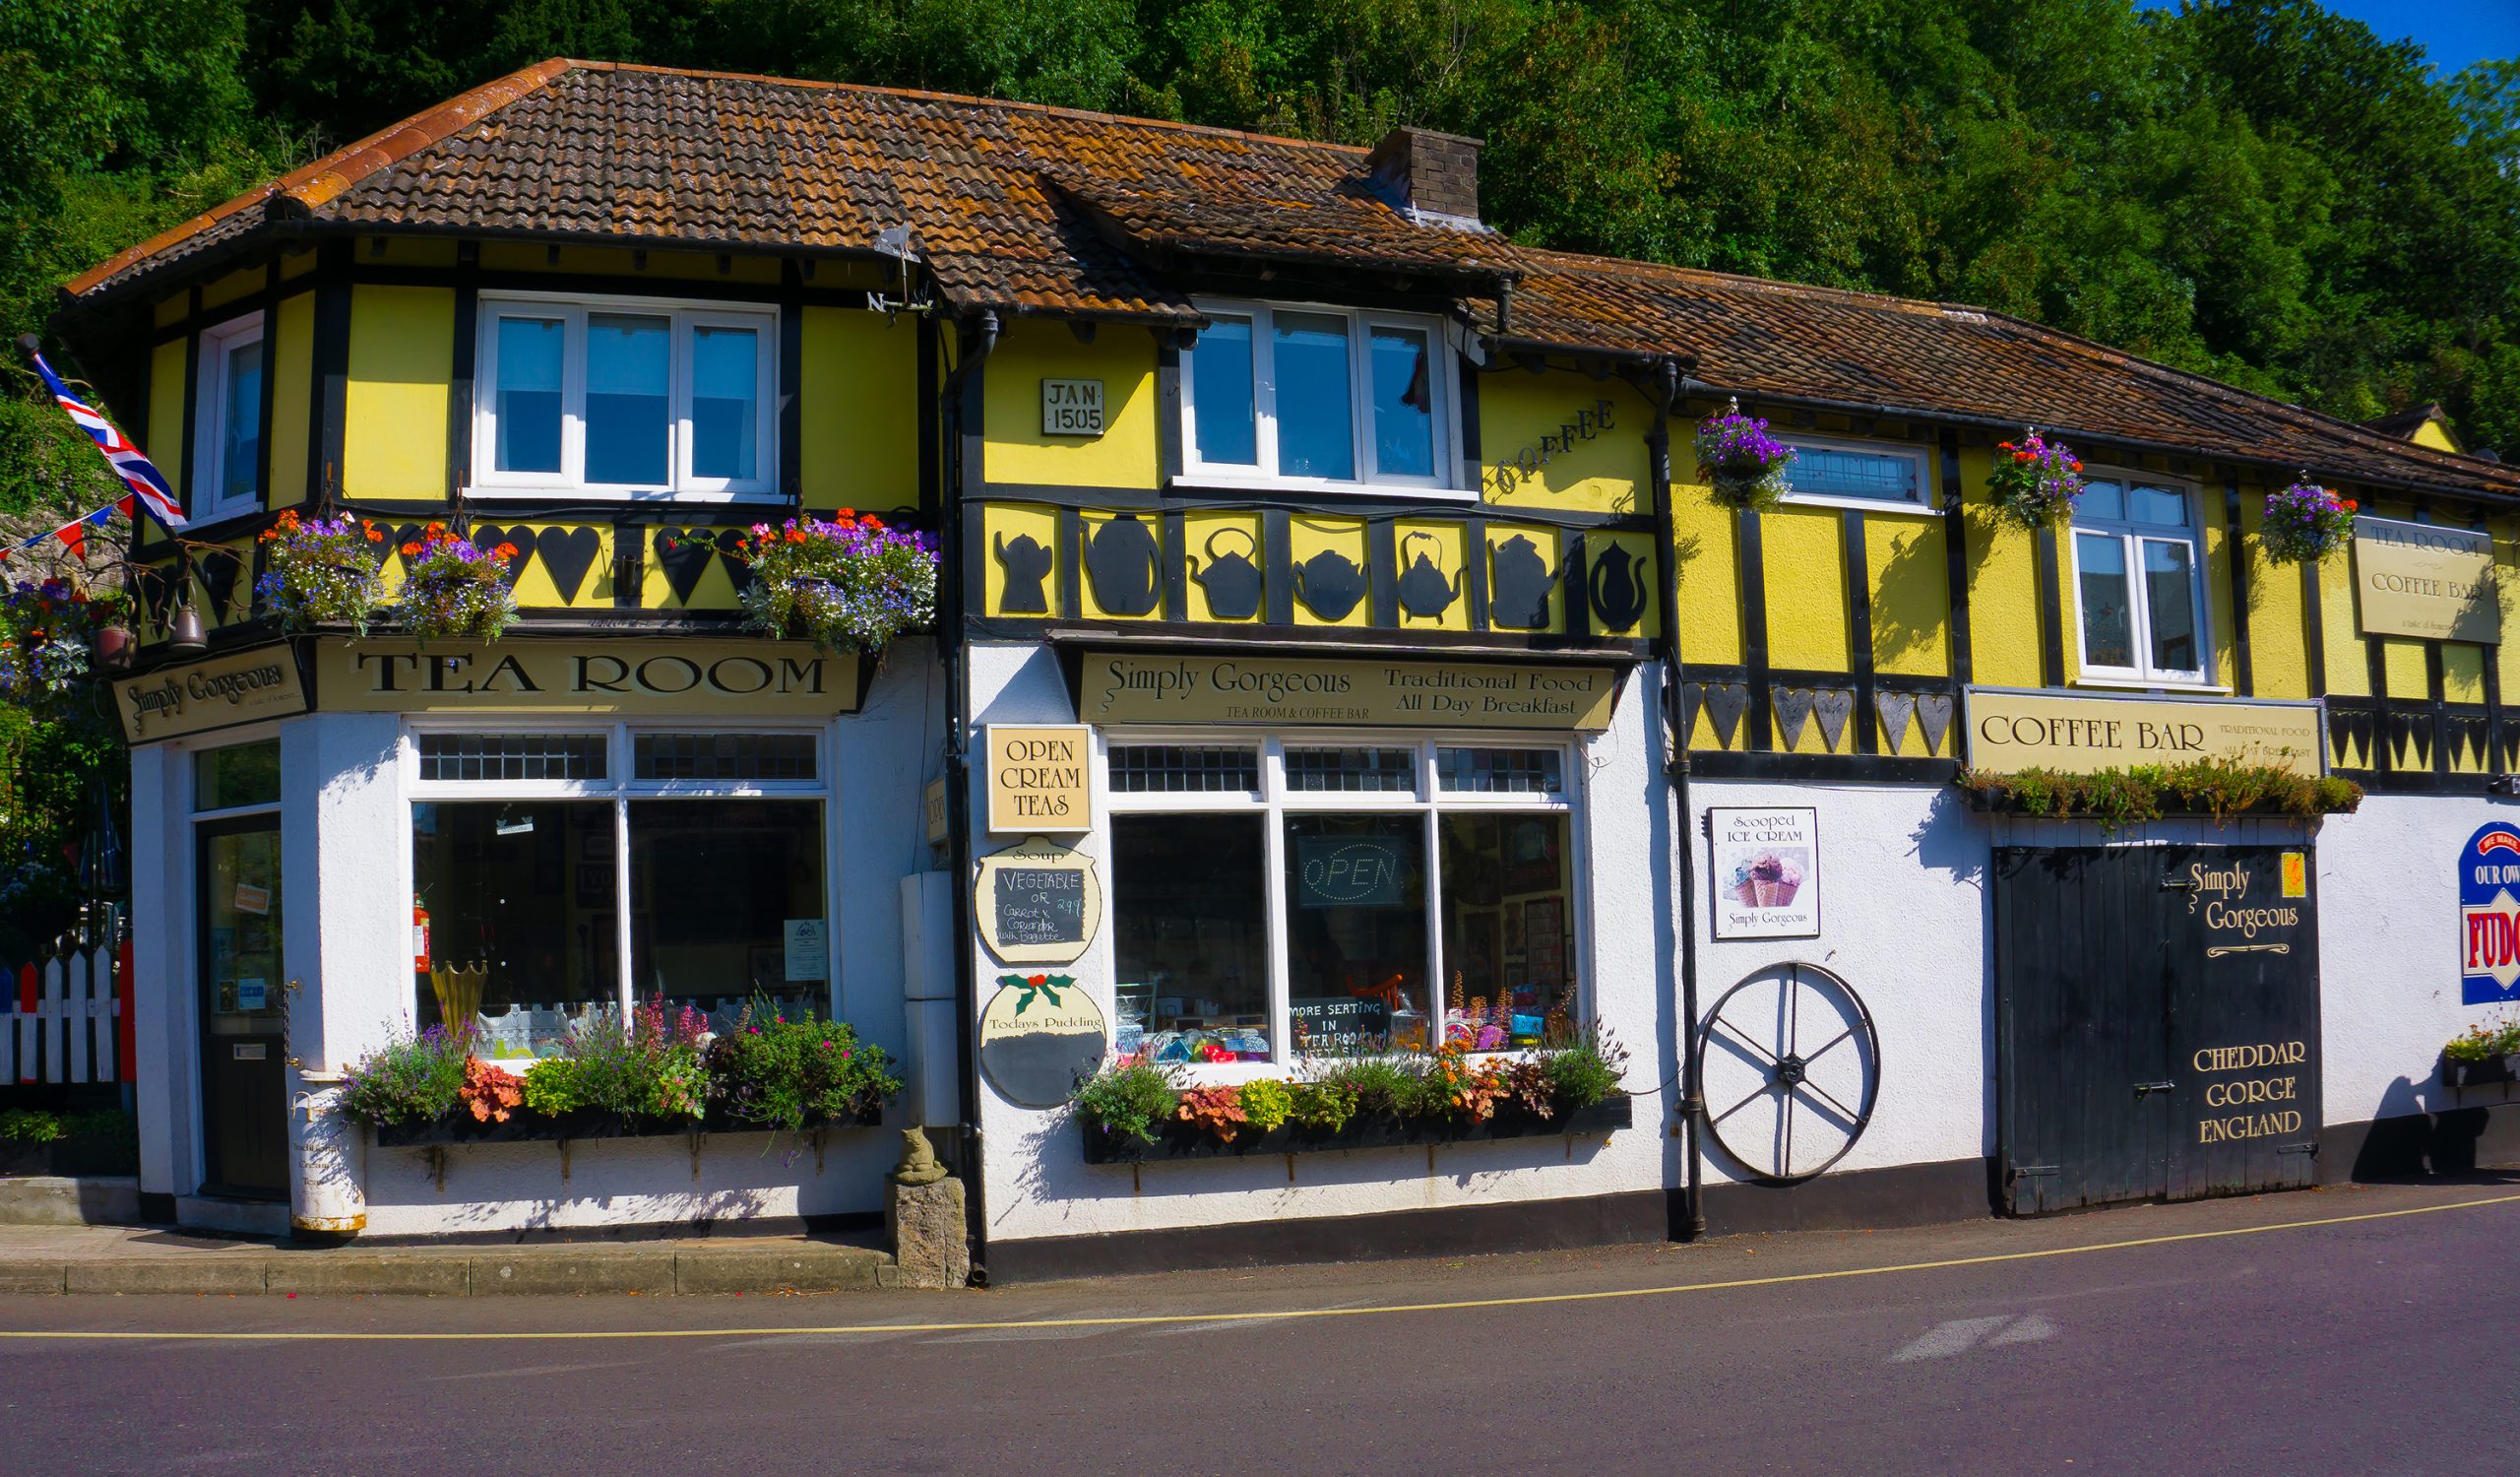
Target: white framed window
(1283,895)
(602,866)
(227,420)
(1866,475)
(625,397)
(2139,583)
(1319,397)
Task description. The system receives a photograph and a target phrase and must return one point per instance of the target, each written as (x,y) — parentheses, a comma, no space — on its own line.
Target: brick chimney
(1428,175)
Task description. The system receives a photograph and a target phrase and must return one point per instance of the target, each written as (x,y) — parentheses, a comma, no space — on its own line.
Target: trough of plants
(1181,1140)
(2476,1074)
(534,1128)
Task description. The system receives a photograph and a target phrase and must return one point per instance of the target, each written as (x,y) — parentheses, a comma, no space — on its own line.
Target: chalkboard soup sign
(1039,903)
(1040,1034)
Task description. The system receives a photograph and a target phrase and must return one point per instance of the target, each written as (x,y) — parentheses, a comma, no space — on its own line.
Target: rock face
(928,1232)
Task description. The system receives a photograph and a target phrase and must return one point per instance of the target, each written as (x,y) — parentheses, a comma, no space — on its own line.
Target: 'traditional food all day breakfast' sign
(2012,731)
(1126,687)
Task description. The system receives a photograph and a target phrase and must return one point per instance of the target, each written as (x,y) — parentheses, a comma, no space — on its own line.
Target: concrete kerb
(465,1272)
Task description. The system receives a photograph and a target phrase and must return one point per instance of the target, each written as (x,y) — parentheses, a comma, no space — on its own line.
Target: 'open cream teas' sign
(1040,778)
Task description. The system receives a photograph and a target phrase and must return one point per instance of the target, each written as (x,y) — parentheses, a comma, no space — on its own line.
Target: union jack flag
(146,481)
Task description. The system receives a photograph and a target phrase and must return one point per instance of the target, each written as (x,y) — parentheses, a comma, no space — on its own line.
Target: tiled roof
(1044,210)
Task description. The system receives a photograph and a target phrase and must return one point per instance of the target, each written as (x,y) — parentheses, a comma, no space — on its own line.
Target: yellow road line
(1122,1320)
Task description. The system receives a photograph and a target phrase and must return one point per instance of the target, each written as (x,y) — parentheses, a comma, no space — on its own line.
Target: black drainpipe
(952,604)
(1670,385)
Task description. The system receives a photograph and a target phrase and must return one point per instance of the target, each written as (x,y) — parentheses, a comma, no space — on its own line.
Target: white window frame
(210,417)
(620,789)
(2131,537)
(1274,800)
(1923,502)
(1447,479)
(683,316)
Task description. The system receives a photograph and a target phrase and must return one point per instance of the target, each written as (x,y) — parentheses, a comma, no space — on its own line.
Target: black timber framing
(2235,548)
(1859,575)
(1955,557)
(1754,628)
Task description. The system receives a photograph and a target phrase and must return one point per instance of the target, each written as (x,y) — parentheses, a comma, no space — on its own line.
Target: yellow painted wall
(859,423)
(2506,559)
(2402,663)
(2340,624)
(1905,559)
(2278,632)
(2003,593)
(399,388)
(1803,553)
(235,284)
(1606,472)
(170,310)
(291,338)
(1706,550)
(169,381)
(2430,434)
(1030,350)
(2219,550)
(1442,550)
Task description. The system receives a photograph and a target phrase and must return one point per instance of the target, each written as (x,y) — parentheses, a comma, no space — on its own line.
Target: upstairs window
(227,452)
(2139,584)
(624,398)
(1857,474)
(1318,397)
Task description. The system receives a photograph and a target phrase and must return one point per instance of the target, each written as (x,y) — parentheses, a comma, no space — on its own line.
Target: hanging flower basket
(1744,466)
(849,584)
(2306,523)
(319,572)
(2036,482)
(451,588)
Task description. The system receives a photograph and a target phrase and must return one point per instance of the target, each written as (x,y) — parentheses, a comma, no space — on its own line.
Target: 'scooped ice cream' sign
(1766,872)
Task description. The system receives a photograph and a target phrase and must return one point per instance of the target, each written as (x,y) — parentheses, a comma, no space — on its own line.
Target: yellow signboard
(1128,687)
(2011,731)
(247,687)
(1038,778)
(2420,579)
(587,674)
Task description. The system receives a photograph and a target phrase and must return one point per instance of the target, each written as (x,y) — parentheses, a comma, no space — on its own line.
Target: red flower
(1036,981)
(2078,466)
(374,537)
(2023,455)
(507,550)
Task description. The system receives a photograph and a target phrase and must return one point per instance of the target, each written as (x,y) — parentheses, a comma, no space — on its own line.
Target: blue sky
(2452,32)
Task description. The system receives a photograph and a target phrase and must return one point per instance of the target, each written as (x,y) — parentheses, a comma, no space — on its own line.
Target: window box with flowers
(453,587)
(2484,1054)
(849,583)
(1137,1110)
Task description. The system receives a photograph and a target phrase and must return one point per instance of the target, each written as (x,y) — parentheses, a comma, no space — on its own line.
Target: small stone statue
(918,1164)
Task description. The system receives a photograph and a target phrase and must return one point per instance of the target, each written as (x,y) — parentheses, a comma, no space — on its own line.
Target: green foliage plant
(2484,1040)
(415,1078)
(2120,797)
(1129,1098)
(1266,1103)
(789,1073)
(1216,1111)
(34,1125)
(551,1087)
(645,1065)
(1582,1067)
(1324,1105)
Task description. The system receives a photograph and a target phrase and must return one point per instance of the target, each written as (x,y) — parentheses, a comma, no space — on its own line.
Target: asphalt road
(2262,1335)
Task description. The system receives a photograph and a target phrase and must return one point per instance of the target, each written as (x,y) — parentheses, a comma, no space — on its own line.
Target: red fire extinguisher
(420,937)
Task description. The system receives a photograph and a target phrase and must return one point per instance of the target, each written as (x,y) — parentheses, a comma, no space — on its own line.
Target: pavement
(130,1260)
(2360,1329)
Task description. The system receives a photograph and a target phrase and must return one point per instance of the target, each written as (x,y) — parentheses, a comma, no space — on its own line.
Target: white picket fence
(60,1019)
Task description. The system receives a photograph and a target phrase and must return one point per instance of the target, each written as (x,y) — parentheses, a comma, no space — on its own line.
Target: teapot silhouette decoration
(1126,564)
(1232,580)
(1424,593)
(1518,590)
(1619,596)
(1027,563)
(1330,584)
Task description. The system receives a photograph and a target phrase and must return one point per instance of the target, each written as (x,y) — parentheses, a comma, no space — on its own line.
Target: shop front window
(1295,898)
(555,888)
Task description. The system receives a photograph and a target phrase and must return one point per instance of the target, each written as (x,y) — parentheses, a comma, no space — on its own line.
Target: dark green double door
(2156,1022)
(244,1083)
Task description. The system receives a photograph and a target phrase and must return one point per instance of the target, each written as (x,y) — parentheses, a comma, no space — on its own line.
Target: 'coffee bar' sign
(731,679)
(2010,731)
(1122,687)
(2421,579)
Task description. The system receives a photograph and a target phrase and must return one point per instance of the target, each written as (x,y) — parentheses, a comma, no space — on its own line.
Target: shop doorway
(2158,1023)
(243,1084)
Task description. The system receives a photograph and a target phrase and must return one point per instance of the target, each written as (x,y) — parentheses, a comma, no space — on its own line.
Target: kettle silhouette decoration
(1330,584)
(1619,597)
(1518,594)
(1027,563)
(1424,593)
(1126,564)
(1232,580)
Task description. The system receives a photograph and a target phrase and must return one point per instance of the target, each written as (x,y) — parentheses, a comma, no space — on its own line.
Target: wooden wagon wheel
(1789,1066)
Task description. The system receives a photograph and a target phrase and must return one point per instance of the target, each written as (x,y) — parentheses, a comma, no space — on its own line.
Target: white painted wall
(162,1040)
(2389,952)
(1038,1185)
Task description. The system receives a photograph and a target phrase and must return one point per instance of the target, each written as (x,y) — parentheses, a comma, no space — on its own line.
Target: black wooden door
(2156,1022)
(2083,1022)
(245,1084)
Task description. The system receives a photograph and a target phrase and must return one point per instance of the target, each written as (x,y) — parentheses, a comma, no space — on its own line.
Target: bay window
(601,868)
(1318,397)
(1287,897)
(624,397)
(2139,584)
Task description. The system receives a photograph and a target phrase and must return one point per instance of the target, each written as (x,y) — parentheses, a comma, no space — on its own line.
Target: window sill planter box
(2486,1074)
(531,1127)
(72,1157)
(1178,1141)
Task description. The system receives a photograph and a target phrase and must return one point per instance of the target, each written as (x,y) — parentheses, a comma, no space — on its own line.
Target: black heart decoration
(218,571)
(729,541)
(395,538)
(567,554)
(684,554)
(489,535)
